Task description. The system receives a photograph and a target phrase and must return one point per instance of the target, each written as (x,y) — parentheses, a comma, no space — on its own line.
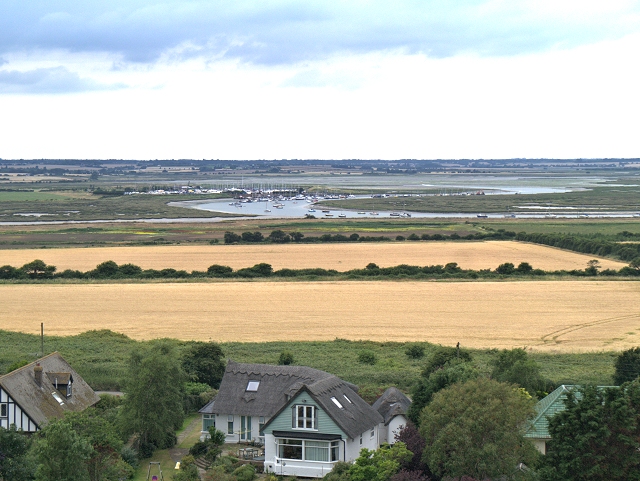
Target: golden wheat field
(545,315)
(342,257)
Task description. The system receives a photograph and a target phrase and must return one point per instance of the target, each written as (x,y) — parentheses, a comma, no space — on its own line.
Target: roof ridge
(28,365)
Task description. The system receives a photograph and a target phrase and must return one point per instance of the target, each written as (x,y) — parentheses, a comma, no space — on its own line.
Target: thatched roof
(391,404)
(279,384)
(38,400)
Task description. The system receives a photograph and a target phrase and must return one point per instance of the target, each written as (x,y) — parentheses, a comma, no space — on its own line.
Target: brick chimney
(37,372)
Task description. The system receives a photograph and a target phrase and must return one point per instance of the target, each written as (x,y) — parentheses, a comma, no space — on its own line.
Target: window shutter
(315,418)
(293,417)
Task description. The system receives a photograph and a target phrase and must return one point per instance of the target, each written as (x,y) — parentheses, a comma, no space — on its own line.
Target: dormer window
(69,391)
(252,386)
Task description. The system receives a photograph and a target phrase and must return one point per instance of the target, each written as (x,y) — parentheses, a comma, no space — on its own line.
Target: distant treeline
(38,270)
(588,245)
(281,237)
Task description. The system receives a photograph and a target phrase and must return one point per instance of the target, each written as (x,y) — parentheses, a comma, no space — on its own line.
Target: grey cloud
(54,80)
(286,31)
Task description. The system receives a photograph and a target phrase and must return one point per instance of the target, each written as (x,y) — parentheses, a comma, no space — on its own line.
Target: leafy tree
(10,272)
(15,464)
(129,270)
(514,366)
(379,465)
(231,238)
(413,440)
(506,269)
(524,268)
(61,453)
(38,270)
(152,408)
(592,267)
(596,437)
(105,462)
(627,366)
(453,371)
(106,269)
(216,270)
(635,263)
(204,362)
(476,429)
(252,236)
(279,237)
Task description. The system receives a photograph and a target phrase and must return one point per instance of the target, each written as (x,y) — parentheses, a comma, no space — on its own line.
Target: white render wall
(222,425)
(394,427)
(368,441)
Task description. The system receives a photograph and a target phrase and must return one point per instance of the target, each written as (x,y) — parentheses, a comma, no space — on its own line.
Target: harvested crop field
(567,316)
(342,257)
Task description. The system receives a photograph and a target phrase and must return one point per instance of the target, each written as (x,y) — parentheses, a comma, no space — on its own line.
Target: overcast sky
(235,79)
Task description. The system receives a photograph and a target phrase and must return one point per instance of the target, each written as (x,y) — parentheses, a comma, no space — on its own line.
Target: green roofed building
(538,431)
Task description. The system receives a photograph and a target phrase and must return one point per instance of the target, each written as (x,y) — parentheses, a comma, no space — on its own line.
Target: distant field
(344,256)
(569,316)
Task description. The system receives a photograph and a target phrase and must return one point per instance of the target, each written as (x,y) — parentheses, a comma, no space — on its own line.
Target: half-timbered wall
(12,413)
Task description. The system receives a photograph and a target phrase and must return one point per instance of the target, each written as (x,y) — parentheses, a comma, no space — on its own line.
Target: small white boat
(361,213)
(482,216)
(373,213)
(405,214)
(267,210)
(509,216)
(312,210)
(343,215)
(395,214)
(328,215)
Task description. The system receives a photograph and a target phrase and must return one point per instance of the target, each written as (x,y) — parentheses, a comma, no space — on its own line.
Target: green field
(100,357)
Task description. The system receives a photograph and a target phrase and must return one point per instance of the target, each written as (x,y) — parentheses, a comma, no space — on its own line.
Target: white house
(307,419)
(392,406)
(45,389)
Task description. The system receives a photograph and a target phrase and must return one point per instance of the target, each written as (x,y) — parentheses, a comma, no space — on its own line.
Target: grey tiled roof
(279,384)
(37,400)
(391,404)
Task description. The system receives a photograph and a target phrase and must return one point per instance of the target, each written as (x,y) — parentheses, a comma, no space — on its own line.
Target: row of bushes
(281,237)
(110,270)
(585,245)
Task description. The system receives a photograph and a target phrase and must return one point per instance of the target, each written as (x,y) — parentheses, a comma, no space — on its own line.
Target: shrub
(415,351)
(285,359)
(216,270)
(245,473)
(400,238)
(367,357)
(129,456)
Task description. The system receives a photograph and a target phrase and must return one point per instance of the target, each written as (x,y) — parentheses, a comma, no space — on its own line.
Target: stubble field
(550,316)
(342,257)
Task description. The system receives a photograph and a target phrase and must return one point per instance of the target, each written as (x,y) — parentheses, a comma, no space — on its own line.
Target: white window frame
(252,386)
(304,421)
(332,449)
(230,424)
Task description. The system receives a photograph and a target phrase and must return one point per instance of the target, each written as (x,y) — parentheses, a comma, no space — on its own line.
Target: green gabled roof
(549,407)
(546,409)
